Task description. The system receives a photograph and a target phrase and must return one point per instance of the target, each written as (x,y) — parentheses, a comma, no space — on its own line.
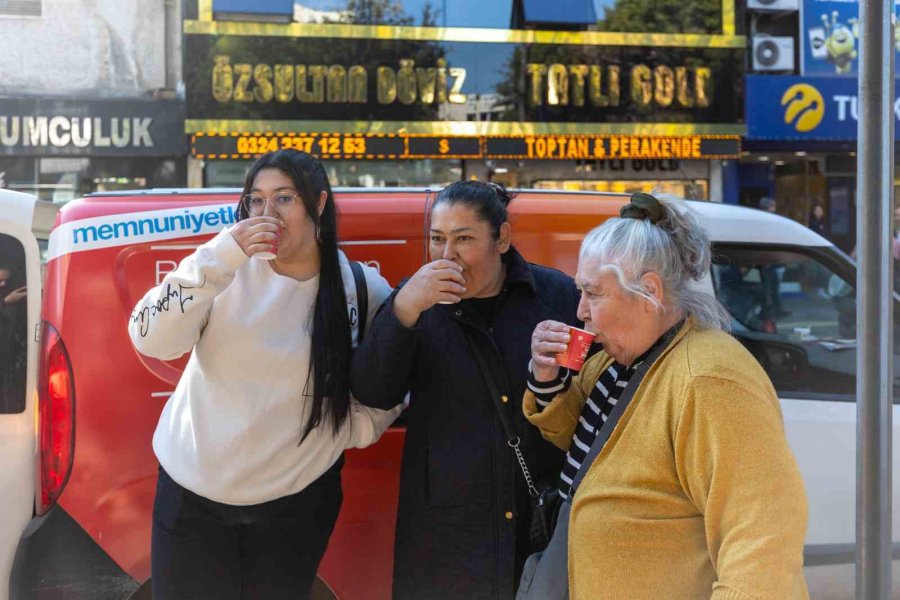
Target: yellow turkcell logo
(804,107)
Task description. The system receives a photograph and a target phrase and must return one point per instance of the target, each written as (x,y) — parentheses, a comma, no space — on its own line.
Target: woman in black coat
(464,510)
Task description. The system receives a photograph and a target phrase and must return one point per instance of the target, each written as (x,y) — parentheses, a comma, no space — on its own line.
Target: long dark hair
(329,360)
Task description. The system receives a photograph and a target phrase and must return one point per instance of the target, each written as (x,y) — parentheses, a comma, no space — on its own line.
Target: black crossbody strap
(512,439)
(362,298)
(624,400)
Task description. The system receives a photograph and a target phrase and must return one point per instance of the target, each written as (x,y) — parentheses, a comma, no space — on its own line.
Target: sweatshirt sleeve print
(168,320)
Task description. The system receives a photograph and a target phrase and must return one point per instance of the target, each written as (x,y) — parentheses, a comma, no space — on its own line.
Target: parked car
(78,473)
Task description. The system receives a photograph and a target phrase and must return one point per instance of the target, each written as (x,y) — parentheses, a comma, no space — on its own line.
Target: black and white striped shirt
(599,405)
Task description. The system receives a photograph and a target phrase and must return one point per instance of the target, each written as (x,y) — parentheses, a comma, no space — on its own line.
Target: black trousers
(208,550)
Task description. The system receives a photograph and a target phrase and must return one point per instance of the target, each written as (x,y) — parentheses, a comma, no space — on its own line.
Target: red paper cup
(269,255)
(579,343)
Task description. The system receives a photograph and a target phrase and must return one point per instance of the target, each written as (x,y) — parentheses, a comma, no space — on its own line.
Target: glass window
(59,179)
(659,16)
(13,325)
(796,313)
(353,173)
(426,13)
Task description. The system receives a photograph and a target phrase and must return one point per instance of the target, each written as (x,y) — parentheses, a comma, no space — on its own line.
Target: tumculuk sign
(49,126)
(804,108)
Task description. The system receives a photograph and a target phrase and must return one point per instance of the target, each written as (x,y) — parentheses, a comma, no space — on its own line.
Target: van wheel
(320,591)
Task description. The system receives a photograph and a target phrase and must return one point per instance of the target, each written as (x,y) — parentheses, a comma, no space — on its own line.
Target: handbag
(546,574)
(544,496)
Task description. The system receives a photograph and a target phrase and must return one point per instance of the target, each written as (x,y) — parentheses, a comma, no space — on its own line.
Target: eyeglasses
(255,204)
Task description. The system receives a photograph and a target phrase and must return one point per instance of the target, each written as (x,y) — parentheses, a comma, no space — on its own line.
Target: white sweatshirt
(231,430)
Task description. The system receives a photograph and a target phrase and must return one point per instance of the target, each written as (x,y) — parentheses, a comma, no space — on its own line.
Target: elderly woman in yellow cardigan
(696,493)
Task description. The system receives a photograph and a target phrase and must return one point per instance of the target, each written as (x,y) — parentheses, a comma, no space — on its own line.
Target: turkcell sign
(139,227)
(804,108)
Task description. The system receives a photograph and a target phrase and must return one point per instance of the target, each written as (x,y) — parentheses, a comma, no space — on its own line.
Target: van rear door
(20,300)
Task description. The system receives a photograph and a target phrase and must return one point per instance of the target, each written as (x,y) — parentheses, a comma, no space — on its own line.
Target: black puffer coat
(463,516)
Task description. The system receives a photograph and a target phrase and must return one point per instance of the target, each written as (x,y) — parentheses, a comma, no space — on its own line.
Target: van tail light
(56,418)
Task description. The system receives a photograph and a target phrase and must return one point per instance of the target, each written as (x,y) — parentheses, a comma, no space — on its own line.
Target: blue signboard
(803,108)
(829,36)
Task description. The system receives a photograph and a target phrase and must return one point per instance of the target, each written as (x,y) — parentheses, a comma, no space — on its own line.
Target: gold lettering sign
(662,86)
(336,84)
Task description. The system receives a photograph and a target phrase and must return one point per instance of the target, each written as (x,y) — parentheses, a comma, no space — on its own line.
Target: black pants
(207,550)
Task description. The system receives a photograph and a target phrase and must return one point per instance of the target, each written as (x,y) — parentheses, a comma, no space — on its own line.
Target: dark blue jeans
(208,550)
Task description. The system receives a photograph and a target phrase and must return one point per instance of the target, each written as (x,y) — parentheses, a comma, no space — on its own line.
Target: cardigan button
(509,515)
(458,313)
(504,399)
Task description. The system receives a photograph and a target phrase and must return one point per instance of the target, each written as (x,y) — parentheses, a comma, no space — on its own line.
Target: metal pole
(875,177)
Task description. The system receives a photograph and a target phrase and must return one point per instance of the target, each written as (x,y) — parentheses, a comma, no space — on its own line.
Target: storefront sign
(251,80)
(804,108)
(41,127)
(531,147)
(829,34)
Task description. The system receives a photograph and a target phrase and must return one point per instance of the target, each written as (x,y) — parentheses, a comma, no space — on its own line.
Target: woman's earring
(318,233)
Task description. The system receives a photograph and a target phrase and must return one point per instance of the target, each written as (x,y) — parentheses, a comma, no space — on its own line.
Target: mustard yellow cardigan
(696,494)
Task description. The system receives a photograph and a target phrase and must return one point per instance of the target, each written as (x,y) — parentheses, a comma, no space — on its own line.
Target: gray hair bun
(689,236)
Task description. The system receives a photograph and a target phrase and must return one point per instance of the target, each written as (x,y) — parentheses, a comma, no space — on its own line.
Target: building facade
(576,94)
(802,111)
(89,97)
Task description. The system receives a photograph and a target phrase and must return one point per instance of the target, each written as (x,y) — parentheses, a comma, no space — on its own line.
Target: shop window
(352,173)
(796,313)
(20,8)
(689,189)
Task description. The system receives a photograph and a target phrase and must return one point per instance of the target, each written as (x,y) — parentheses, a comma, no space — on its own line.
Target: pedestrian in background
(457,336)
(251,442)
(817,220)
(695,493)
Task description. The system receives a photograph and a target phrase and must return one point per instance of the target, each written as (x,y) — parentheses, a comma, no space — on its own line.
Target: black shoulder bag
(544,496)
(362,298)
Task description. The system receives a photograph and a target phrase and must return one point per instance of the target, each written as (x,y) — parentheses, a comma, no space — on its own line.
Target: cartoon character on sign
(836,43)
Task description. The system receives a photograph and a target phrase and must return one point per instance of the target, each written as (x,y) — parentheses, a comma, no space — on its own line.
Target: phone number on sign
(313,145)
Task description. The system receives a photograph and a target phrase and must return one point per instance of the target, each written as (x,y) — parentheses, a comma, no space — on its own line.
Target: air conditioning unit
(763,5)
(773,53)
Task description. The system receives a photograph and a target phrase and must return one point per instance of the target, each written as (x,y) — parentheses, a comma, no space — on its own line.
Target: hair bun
(643,207)
(505,195)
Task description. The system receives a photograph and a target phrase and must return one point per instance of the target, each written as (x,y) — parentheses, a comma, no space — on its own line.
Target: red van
(78,405)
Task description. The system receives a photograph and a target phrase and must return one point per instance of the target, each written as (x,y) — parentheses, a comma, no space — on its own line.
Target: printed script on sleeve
(145,315)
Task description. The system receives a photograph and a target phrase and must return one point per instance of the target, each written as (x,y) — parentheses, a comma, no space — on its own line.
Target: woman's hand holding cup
(549,339)
(257,234)
(440,281)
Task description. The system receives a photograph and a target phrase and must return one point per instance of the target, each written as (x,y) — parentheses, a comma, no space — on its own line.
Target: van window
(13,325)
(795,310)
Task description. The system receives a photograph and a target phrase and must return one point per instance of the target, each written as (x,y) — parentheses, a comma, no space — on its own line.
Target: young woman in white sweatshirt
(251,442)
